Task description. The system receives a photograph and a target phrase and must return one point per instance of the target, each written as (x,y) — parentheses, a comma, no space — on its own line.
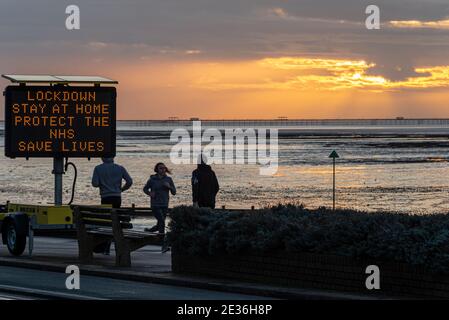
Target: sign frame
(9,152)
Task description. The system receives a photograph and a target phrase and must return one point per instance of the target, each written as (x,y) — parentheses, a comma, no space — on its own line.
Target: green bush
(420,240)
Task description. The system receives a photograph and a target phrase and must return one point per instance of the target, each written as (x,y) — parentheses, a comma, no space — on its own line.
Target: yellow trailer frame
(27,218)
(44,214)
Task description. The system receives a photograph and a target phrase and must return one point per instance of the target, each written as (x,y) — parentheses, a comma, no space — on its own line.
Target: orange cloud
(296,73)
(440,24)
(279,12)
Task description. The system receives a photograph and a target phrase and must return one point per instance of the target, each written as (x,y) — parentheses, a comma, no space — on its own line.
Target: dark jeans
(159,213)
(204,204)
(116,202)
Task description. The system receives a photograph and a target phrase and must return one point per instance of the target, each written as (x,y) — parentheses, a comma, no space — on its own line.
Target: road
(20,283)
(8,296)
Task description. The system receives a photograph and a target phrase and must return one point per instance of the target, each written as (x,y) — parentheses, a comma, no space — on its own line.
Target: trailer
(21,221)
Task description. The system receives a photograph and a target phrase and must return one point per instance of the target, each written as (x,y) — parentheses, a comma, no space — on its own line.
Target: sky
(251,59)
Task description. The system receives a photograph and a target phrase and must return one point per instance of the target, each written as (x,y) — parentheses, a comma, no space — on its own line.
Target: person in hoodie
(204,184)
(109,176)
(159,187)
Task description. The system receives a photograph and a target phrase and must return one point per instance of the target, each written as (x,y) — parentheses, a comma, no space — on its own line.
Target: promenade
(149,265)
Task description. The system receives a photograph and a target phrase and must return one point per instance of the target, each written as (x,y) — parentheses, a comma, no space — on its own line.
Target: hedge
(420,240)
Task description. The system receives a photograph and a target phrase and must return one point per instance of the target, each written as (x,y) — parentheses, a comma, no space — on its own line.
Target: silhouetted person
(108,177)
(158,188)
(204,184)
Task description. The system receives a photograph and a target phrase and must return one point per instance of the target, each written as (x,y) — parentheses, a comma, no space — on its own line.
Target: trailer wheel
(16,243)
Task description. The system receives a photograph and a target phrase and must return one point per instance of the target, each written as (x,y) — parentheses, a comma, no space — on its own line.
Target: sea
(398,165)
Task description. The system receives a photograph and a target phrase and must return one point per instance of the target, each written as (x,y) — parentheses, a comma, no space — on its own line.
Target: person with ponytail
(158,188)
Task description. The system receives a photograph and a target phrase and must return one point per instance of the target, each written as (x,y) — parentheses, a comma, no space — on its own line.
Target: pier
(285,123)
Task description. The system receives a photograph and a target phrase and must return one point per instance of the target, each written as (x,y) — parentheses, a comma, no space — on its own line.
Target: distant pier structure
(283,122)
(385,126)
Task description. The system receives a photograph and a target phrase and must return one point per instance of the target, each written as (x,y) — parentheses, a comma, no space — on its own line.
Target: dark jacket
(204,186)
(161,192)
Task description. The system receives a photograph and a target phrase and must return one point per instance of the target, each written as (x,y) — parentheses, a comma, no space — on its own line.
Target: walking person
(159,187)
(108,177)
(204,184)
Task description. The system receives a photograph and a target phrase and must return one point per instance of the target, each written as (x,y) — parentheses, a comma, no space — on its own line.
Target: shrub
(420,240)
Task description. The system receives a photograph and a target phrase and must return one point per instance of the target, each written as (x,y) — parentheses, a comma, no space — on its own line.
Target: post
(333,189)
(334,155)
(31,224)
(58,170)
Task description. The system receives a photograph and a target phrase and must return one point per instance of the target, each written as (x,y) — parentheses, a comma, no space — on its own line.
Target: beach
(392,168)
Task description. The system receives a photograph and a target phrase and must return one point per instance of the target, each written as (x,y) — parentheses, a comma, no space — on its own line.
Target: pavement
(149,265)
